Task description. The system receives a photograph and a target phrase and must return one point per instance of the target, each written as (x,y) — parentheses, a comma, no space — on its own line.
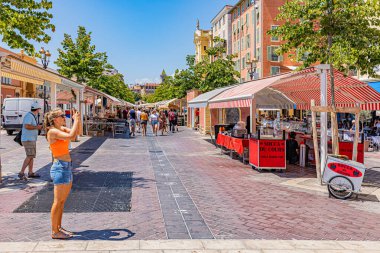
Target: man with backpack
(172,118)
(30,128)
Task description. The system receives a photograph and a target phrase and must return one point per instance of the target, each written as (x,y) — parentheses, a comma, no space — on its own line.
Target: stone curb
(195,246)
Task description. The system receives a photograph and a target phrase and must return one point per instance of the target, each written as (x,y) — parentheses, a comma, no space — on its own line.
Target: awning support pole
(253,116)
(356,139)
(315,142)
(322,70)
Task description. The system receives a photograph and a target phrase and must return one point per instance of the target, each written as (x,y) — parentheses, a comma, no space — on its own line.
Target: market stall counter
(266,152)
(345,148)
(234,144)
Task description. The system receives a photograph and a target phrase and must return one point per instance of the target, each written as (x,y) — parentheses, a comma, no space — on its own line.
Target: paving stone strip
(194,246)
(181,216)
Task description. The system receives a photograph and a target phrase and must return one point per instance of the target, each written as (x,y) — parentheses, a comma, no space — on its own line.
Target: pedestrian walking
(132,121)
(172,120)
(125,113)
(59,138)
(144,122)
(29,134)
(162,121)
(138,120)
(154,121)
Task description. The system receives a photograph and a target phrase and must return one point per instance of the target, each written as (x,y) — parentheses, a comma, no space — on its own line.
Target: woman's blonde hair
(49,119)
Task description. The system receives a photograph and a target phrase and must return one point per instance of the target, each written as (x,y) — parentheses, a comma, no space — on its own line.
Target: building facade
(14,88)
(251,20)
(202,41)
(144,89)
(221,27)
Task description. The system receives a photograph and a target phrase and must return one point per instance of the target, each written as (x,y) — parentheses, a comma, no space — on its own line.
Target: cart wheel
(282,171)
(340,187)
(259,169)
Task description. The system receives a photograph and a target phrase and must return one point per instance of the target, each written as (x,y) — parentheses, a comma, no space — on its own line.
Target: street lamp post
(252,67)
(45,59)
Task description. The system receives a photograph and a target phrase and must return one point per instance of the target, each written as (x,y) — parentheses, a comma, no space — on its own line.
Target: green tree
(217,74)
(22,21)
(205,76)
(136,96)
(343,33)
(113,85)
(80,58)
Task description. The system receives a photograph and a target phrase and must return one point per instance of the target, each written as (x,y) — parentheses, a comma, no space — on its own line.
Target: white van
(14,110)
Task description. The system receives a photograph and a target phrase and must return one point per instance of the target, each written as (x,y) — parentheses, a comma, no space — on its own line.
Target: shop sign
(272,153)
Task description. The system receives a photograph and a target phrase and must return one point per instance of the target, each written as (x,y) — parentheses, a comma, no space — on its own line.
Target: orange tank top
(60,148)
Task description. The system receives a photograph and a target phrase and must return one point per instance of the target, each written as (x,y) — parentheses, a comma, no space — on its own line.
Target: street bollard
(302,155)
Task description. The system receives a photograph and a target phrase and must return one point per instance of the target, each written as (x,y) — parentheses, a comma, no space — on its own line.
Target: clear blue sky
(140,37)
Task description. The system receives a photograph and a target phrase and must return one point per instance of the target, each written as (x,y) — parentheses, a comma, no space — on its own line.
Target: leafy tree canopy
(205,76)
(113,85)
(80,58)
(22,21)
(351,25)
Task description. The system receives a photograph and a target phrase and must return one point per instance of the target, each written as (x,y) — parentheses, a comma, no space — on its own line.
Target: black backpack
(18,138)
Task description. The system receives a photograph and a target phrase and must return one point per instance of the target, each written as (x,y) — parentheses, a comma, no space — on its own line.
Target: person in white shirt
(154,121)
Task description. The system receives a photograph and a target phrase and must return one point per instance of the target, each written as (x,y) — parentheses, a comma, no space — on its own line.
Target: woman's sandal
(66,231)
(60,235)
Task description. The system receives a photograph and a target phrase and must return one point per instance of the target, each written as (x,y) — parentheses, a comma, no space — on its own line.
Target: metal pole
(322,69)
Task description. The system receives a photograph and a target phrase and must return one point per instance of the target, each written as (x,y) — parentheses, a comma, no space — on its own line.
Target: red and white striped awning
(242,95)
(303,86)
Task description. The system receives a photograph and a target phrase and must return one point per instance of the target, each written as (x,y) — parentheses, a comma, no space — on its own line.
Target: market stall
(257,95)
(349,93)
(201,103)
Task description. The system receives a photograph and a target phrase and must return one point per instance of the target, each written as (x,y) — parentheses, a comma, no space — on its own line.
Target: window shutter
(280,58)
(269,52)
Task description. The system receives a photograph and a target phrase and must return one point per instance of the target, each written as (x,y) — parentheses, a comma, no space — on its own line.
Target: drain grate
(91,192)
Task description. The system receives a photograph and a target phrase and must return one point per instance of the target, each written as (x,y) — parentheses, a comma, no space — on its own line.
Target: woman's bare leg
(59,200)
(67,189)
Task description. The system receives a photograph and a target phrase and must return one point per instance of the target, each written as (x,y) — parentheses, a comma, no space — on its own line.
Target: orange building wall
(269,11)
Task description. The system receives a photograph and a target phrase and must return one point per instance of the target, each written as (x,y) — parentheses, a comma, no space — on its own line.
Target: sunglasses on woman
(62,116)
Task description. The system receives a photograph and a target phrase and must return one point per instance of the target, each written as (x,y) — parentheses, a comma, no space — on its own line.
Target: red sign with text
(272,153)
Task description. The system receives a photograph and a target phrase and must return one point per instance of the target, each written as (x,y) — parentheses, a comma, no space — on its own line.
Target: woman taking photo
(59,138)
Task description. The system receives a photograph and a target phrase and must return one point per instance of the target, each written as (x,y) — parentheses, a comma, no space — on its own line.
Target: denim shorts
(154,122)
(61,172)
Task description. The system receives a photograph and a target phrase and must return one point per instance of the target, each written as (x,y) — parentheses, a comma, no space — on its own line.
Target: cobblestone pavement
(238,202)
(184,188)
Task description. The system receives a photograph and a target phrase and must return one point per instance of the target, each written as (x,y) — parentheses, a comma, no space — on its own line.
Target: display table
(232,143)
(267,154)
(345,148)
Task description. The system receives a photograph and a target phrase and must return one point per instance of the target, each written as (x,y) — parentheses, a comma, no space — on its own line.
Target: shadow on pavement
(78,155)
(92,191)
(106,234)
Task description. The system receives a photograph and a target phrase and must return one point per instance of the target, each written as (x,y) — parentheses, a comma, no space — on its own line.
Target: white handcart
(342,176)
